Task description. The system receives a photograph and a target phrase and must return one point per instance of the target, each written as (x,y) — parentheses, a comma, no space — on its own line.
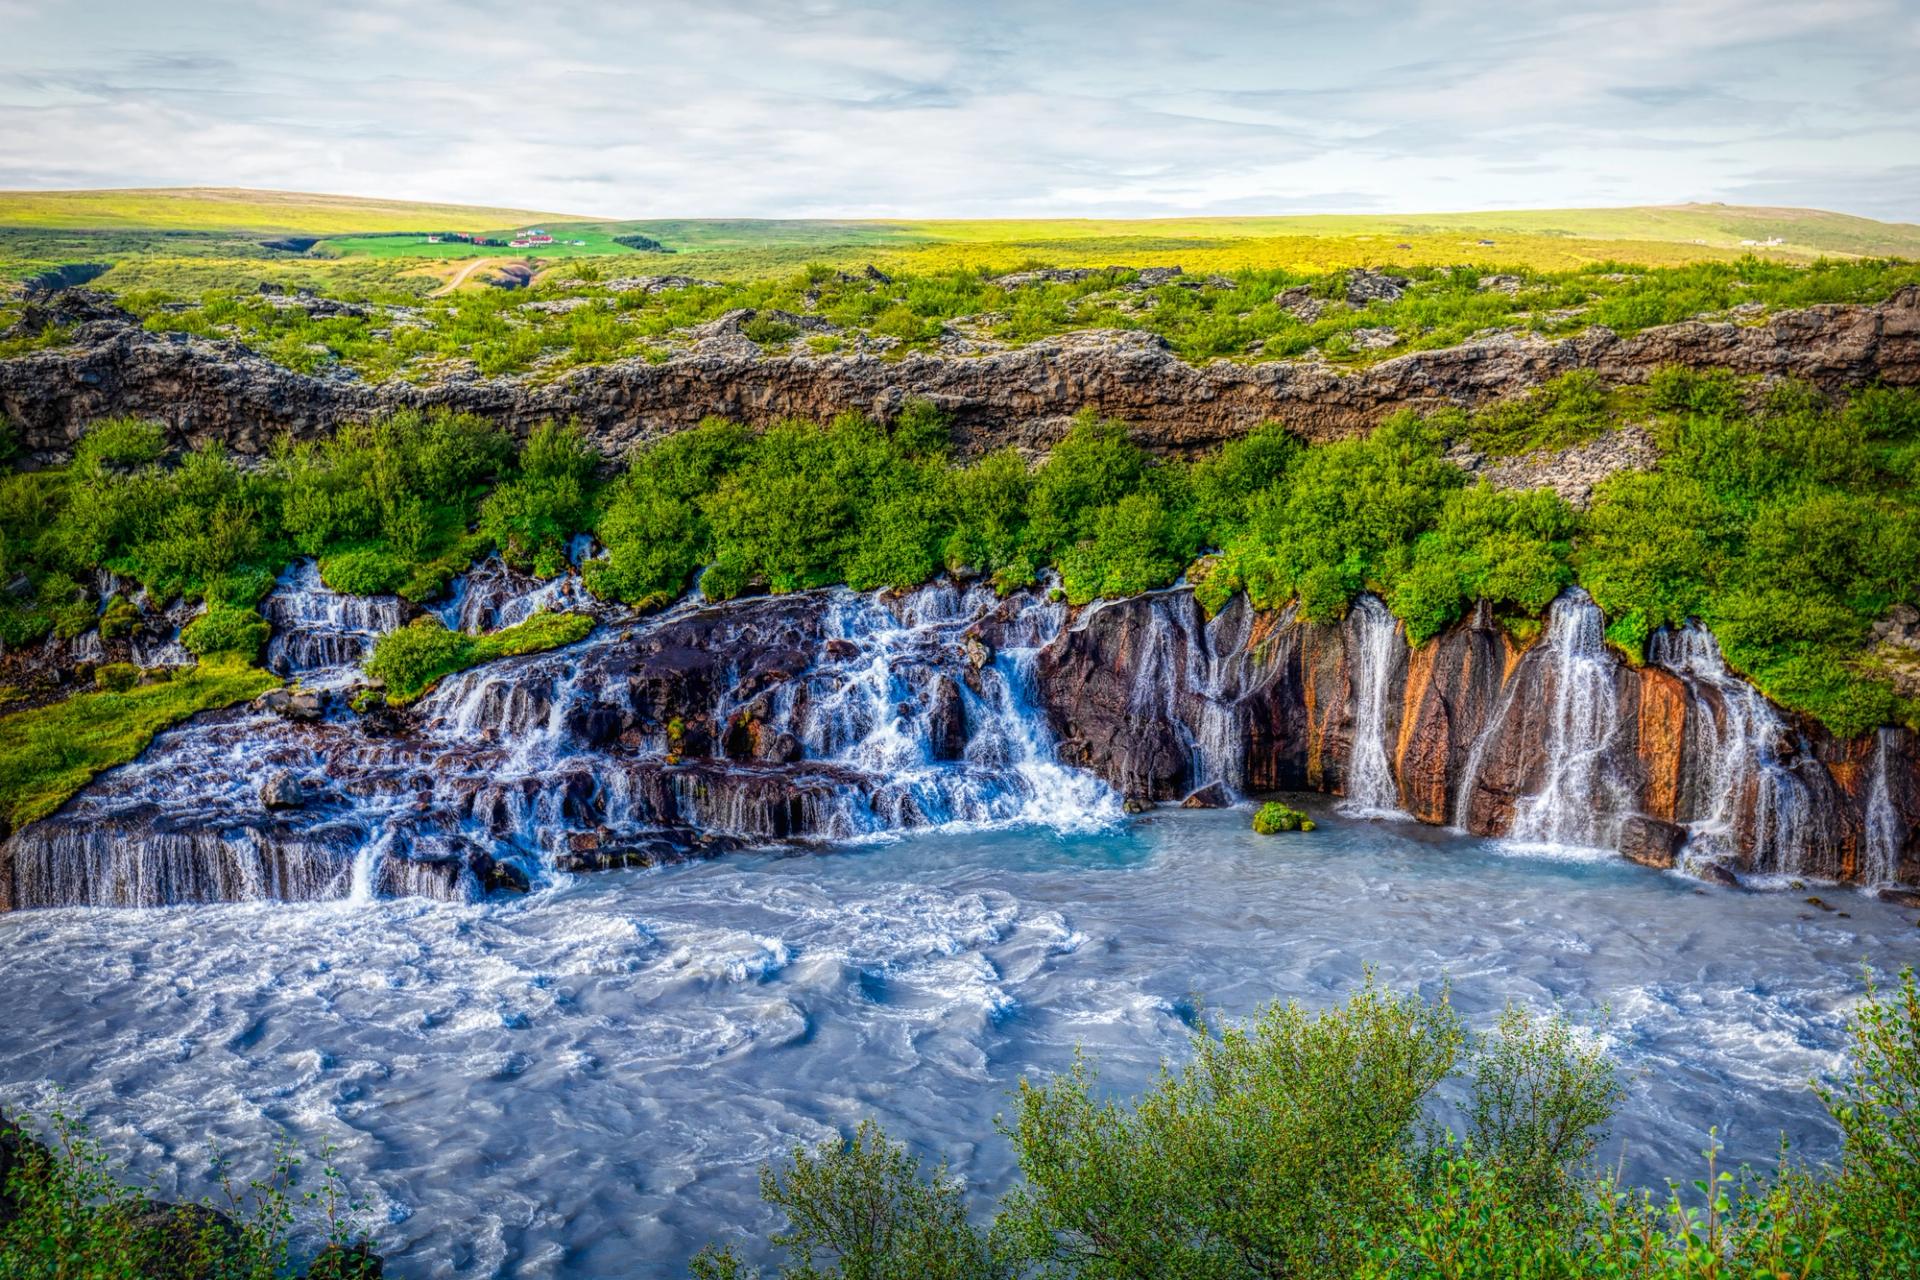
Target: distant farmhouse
(528,238)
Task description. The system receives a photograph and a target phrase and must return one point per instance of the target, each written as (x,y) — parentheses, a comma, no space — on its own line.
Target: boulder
(947,720)
(1211,796)
(1365,286)
(1651,842)
(283,791)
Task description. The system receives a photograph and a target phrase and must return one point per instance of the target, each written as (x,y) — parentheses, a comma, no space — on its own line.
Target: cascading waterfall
(319,635)
(1741,744)
(895,710)
(1881,865)
(1580,801)
(1371,790)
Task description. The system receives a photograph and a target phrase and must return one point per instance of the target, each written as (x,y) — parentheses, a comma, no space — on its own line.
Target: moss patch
(1275,817)
(48,753)
(413,659)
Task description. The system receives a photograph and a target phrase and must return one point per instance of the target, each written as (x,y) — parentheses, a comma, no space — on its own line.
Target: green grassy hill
(189,232)
(238,210)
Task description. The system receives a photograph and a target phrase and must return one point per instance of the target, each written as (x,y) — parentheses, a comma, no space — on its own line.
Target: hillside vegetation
(1310,1144)
(1784,521)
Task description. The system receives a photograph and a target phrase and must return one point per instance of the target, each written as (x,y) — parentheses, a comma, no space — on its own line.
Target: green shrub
(118,619)
(64,1215)
(532,516)
(1306,1145)
(364,571)
(1274,818)
(223,629)
(410,660)
(118,677)
(1876,1103)
(862,1207)
(1570,409)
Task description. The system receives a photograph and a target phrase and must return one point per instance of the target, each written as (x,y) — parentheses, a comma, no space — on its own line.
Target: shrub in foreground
(1305,1144)
(65,1216)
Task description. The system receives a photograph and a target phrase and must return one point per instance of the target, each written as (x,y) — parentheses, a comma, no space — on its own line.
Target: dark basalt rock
(1211,796)
(207,390)
(1651,842)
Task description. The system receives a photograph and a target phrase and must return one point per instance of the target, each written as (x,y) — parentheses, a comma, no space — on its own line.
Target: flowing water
(1371,790)
(582,1083)
(1580,800)
(1749,749)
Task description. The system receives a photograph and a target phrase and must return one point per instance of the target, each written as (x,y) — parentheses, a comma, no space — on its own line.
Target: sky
(963,108)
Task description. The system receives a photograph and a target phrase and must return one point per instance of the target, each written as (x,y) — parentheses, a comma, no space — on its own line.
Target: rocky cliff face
(1559,741)
(218,391)
(830,715)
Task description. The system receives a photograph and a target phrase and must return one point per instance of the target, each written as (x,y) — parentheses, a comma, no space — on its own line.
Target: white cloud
(690,107)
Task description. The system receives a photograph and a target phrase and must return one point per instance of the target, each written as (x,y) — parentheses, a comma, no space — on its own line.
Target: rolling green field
(42,228)
(234,209)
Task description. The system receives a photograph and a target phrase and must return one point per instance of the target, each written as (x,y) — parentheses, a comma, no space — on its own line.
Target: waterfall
(321,635)
(1744,745)
(1579,801)
(1881,845)
(1371,790)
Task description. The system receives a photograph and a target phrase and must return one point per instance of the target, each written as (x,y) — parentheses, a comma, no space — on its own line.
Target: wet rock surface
(831,715)
(1557,742)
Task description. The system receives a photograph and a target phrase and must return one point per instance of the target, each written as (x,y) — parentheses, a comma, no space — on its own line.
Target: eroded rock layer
(220,391)
(831,715)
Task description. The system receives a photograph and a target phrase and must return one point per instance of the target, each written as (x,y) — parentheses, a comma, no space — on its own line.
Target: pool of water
(584,1082)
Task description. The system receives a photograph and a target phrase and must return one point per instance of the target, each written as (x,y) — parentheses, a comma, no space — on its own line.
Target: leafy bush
(116,677)
(223,629)
(860,1206)
(1305,1145)
(1274,818)
(412,659)
(63,1214)
(532,516)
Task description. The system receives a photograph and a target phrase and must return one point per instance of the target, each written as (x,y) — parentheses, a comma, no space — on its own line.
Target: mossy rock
(1274,818)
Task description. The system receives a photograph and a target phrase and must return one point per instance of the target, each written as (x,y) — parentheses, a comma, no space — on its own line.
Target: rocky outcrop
(1557,740)
(219,391)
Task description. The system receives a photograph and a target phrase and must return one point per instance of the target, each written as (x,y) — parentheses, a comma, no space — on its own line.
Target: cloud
(835,107)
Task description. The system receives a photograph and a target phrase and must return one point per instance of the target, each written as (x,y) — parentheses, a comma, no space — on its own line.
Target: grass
(598,243)
(413,659)
(408,336)
(240,209)
(48,753)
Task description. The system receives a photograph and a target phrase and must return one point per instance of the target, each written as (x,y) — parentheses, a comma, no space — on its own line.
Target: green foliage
(1343,521)
(412,659)
(1540,1102)
(1272,1152)
(1570,409)
(860,1208)
(1274,818)
(531,516)
(1876,1103)
(1509,547)
(1788,529)
(117,677)
(223,629)
(1304,1145)
(48,753)
(64,1215)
